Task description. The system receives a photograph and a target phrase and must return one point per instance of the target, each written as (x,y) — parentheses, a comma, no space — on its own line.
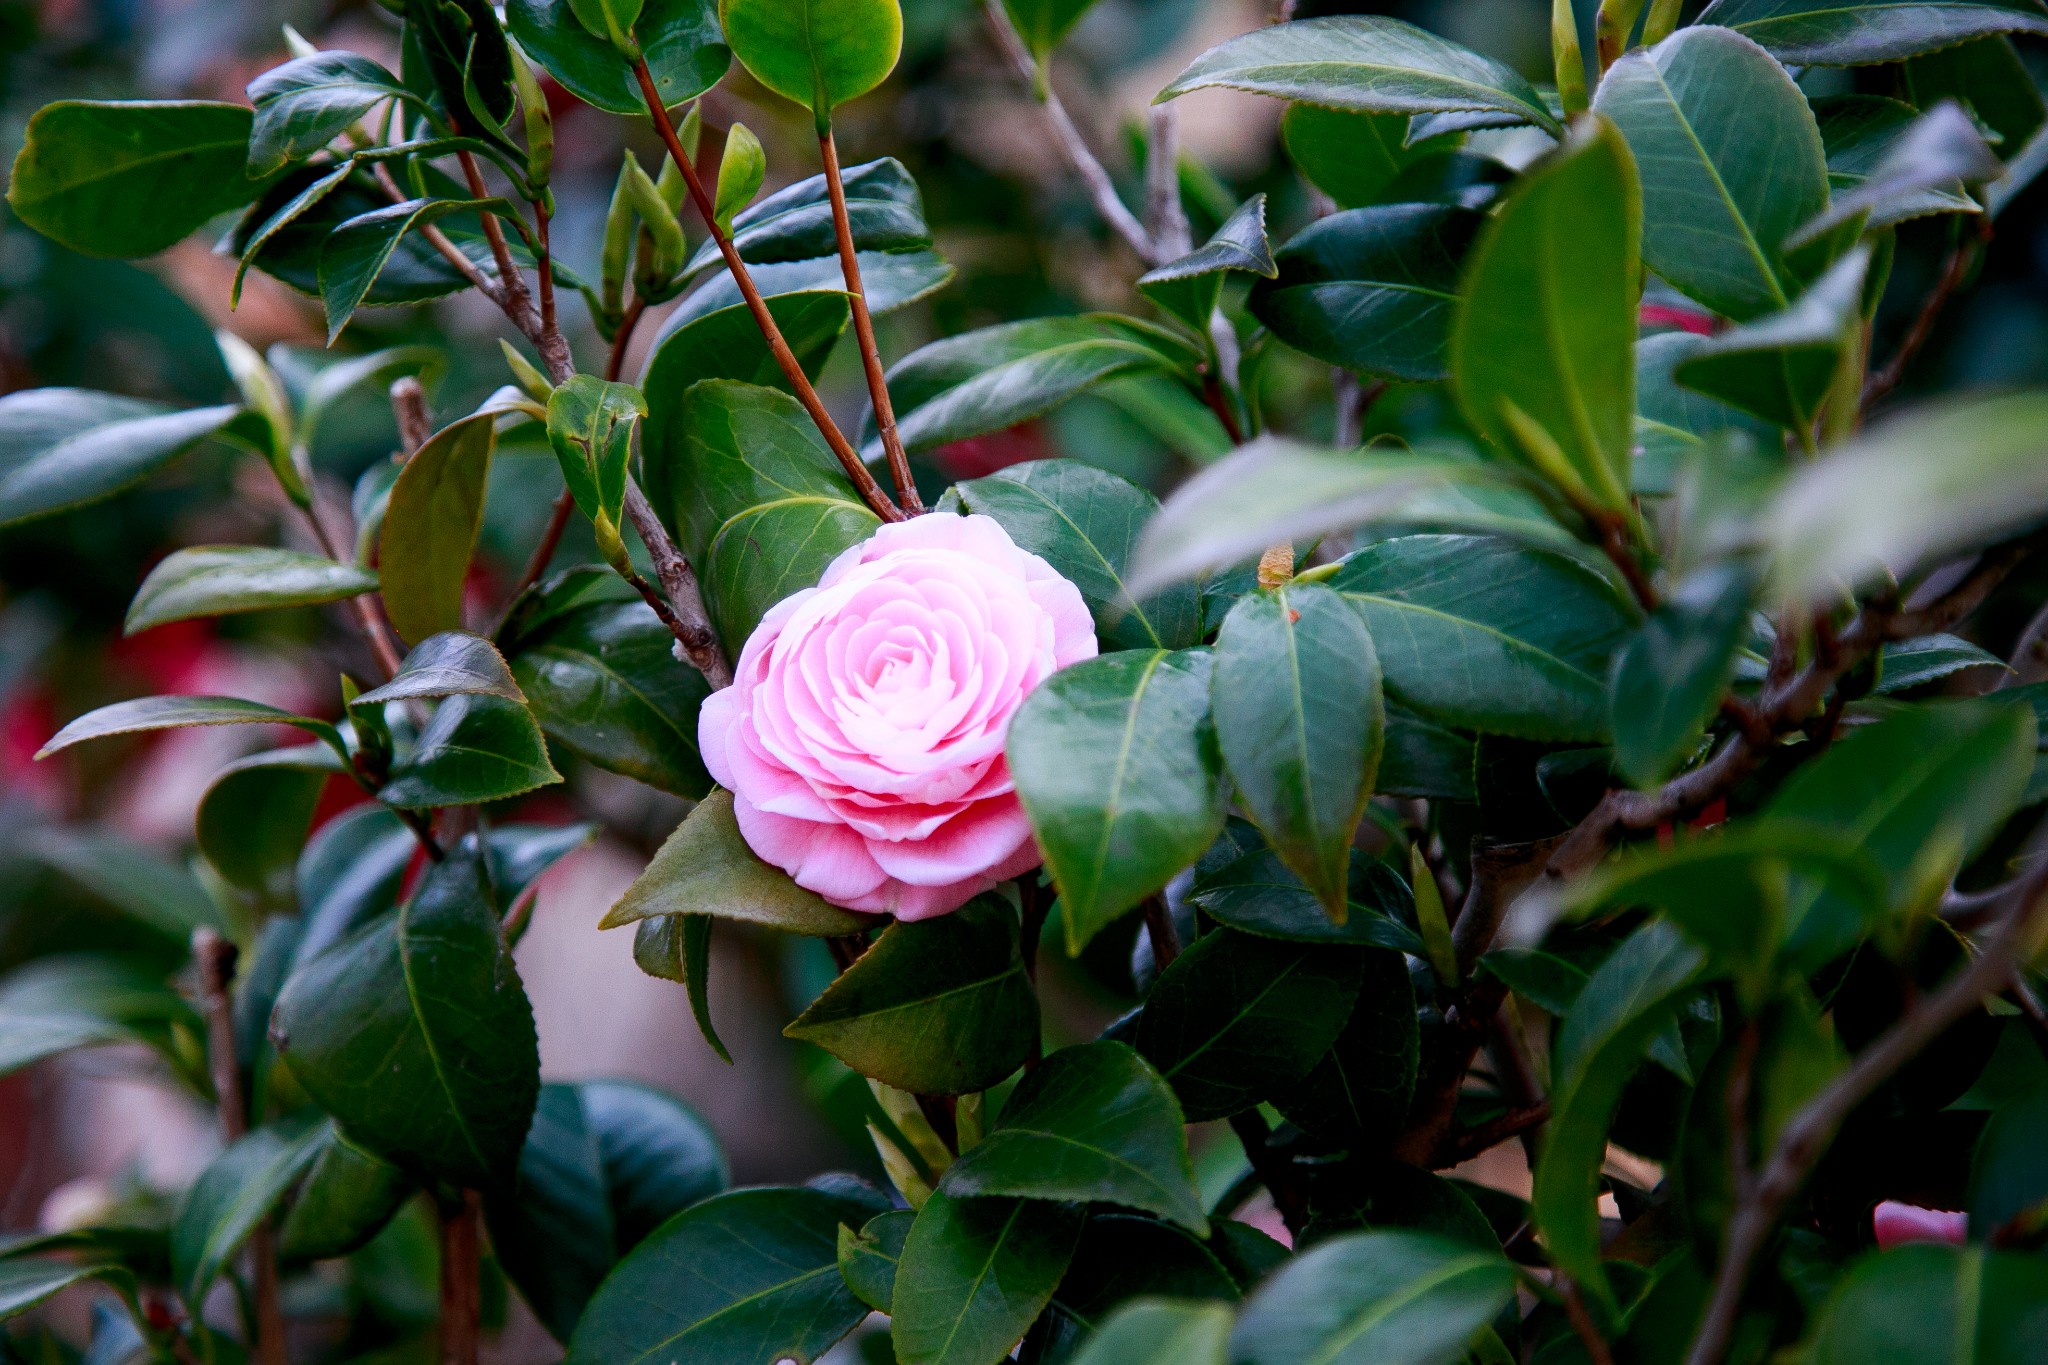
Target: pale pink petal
(1896,1223)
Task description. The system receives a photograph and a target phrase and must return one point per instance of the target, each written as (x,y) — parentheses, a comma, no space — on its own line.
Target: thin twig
(409,406)
(1466,1143)
(438,239)
(688,621)
(1159,929)
(461,1260)
(1100,187)
(615,362)
(1582,1323)
(1272,1169)
(516,301)
(552,345)
(1954,271)
(1166,221)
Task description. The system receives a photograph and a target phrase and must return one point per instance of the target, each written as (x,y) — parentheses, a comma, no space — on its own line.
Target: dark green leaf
(172,713)
(1372,289)
(1838,33)
(1907,664)
(130,178)
(1359,1091)
(883,208)
(1862,134)
(1084,522)
(975,1273)
(1161,1332)
(235,1192)
(1116,764)
(1299,719)
(1670,677)
(350,873)
(255,815)
(685,51)
(64,1002)
(936,1007)
(768,552)
(284,232)
(1093,1124)
(1374,1298)
(1732,165)
(1935,1305)
(215,580)
(451,664)
(430,528)
(727,344)
(28,1280)
(1367,63)
(1485,634)
(416,1033)
(1542,352)
(466,56)
(1237,1019)
(62,448)
(1780,367)
(1189,287)
(356,251)
(1425,759)
(1352,157)
(746,1278)
(868,1258)
(678,948)
(1256,893)
(304,104)
(347,1197)
(2009,1172)
(475,749)
(1674,423)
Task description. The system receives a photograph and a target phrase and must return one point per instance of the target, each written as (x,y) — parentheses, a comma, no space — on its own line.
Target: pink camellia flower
(1896,1223)
(862,738)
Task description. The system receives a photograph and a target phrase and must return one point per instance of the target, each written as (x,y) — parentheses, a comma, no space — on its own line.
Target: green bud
(665,234)
(618,242)
(525,373)
(740,172)
(263,394)
(1565,55)
(540,125)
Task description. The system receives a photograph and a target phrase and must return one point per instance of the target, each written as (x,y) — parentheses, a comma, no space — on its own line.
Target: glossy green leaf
(1488,635)
(416,1033)
(356,251)
(1838,33)
(304,104)
(986,380)
(1161,1332)
(868,1258)
(1372,289)
(215,580)
(475,749)
(605,1164)
(466,57)
(1124,1255)
(974,1275)
(1255,892)
(1367,63)
(590,425)
(1425,759)
(173,713)
(727,344)
(2008,1176)
(255,815)
(451,664)
(28,1280)
(1670,677)
(890,279)
(1084,522)
(430,528)
(884,209)
(1237,1019)
(678,948)
(1092,1124)
(770,551)
(1355,158)
(69,1001)
(1299,719)
(1189,287)
(88,164)
(818,53)
(748,1277)
(62,448)
(1541,351)
(1359,1092)
(1907,664)
(346,1198)
(1935,1305)
(235,1192)
(706,868)
(285,231)
(680,39)
(935,1007)
(1889,163)
(1674,423)
(1732,165)
(1116,764)
(1780,367)
(1374,1298)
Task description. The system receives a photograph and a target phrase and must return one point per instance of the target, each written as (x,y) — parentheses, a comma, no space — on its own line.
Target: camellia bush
(1635,769)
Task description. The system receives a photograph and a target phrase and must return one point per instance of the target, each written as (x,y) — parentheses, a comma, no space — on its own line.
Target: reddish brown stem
(615,362)
(461,1258)
(1159,928)
(1954,271)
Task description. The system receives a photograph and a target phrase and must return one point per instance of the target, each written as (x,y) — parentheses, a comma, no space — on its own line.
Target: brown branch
(1954,271)
(864,331)
(785,359)
(438,239)
(615,362)
(687,621)
(461,1260)
(552,345)
(1166,221)
(1164,937)
(1272,1169)
(1615,543)
(409,406)
(1467,1143)
(1582,1323)
(517,303)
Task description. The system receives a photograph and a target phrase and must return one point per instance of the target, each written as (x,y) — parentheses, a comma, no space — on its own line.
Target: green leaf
(215,580)
(1189,287)
(1935,1305)
(1125,1255)
(1092,1124)
(1954,770)
(1542,352)
(1425,759)
(1367,63)
(63,448)
(741,168)
(1780,367)
(1840,33)
(2008,1178)
(727,345)
(356,251)
(680,40)
(1732,165)
(1674,423)
(284,232)
(125,876)
(609,19)
(1878,502)
(1300,722)
(935,1007)
(475,749)
(28,1280)
(1372,289)
(868,1258)
(1161,1332)
(1374,1298)
(1487,635)
(1238,1019)
(1352,157)
(256,812)
(1116,764)
(975,1273)
(466,57)
(1670,677)
(453,663)
(748,1276)
(1359,1092)
(817,53)
(770,551)
(172,713)
(590,425)
(416,1033)
(113,178)
(1907,664)
(1042,23)
(304,104)
(375,371)
(237,1190)
(1084,522)
(883,208)
(68,1001)
(890,279)
(1255,892)
(706,868)
(678,948)
(1887,160)
(605,1164)
(996,377)
(346,1198)
(430,527)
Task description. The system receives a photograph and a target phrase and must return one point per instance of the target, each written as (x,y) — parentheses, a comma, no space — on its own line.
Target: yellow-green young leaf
(664,234)
(540,125)
(611,20)
(1042,23)
(1542,350)
(590,425)
(430,528)
(263,394)
(819,53)
(740,171)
